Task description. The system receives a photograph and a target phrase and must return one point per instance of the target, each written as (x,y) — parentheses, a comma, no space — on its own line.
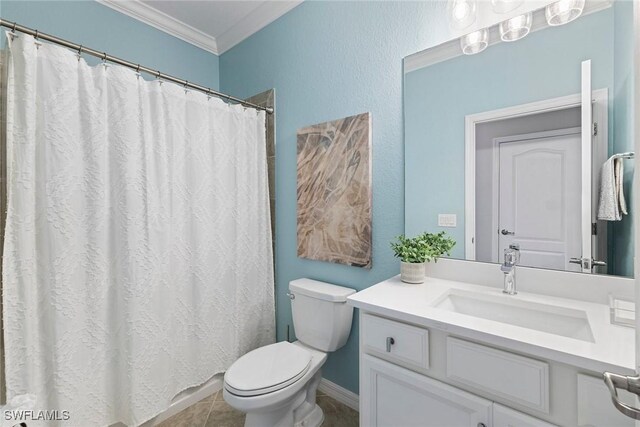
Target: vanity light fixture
(461,13)
(504,6)
(563,11)
(475,42)
(515,28)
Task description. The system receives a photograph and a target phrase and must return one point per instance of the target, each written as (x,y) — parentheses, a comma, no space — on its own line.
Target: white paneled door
(545,192)
(539,198)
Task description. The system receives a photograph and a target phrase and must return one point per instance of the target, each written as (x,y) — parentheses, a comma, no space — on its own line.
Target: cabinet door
(392,396)
(507,417)
(594,404)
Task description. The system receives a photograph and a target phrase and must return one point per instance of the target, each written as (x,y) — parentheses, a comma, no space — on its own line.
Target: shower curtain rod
(137,67)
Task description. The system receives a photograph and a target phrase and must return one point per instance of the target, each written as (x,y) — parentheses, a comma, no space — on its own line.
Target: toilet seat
(267,369)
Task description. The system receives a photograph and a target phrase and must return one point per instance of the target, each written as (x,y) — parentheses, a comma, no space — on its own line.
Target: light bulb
(461,10)
(563,11)
(475,42)
(461,13)
(515,28)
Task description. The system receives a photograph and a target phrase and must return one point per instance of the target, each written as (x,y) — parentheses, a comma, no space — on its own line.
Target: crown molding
(163,22)
(451,48)
(259,18)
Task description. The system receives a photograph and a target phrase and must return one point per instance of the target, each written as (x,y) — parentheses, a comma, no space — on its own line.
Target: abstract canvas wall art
(334,191)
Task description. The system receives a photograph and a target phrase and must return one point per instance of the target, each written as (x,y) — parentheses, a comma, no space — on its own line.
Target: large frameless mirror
(527,141)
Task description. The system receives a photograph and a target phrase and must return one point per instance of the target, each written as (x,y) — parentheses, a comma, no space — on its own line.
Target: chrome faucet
(508,267)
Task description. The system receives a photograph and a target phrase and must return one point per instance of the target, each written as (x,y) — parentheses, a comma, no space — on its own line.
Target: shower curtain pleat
(138,258)
(3,194)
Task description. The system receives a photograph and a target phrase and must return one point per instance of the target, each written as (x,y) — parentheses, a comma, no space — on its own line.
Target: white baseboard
(340,394)
(187,398)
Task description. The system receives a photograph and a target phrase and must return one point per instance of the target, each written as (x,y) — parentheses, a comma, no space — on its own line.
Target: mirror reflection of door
(539,197)
(529,183)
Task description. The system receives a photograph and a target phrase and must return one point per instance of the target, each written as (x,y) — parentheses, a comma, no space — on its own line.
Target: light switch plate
(447,220)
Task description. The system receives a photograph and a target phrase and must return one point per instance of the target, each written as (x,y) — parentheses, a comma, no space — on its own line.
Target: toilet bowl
(276,385)
(275,405)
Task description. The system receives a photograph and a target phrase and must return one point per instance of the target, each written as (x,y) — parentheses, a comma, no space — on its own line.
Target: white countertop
(613,348)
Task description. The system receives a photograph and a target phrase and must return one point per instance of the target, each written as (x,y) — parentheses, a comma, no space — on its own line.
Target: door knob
(506,232)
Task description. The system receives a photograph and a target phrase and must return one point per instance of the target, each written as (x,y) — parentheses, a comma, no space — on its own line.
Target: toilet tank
(321,316)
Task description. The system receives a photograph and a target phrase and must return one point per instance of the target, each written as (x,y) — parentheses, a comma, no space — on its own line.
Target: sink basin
(564,321)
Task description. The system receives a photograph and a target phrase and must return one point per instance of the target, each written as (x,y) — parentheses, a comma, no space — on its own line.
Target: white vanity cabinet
(454,352)
(398,397)
(396,392)
(416,376)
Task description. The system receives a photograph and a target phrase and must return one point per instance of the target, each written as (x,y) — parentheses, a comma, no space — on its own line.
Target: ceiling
(213,25)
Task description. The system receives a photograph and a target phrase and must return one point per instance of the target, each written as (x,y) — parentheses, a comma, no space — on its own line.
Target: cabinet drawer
(515,378)
(398,342)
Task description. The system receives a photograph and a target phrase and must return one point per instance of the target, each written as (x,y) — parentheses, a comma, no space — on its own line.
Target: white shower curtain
(137,256)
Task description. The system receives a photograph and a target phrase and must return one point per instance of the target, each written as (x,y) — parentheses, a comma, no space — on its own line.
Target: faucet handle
(509,257)
(512,255)
(516,248)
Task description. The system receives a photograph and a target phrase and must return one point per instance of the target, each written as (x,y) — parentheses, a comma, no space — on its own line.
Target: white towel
(612,204)
(619,173)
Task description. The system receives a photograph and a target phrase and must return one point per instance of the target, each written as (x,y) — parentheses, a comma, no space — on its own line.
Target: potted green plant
(415,252)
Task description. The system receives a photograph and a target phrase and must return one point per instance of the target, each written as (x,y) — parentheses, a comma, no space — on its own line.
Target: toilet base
(287,417)
(300,411)
(282,416)
(313,419)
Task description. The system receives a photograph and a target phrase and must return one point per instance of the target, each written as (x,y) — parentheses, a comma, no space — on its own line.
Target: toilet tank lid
(320,290)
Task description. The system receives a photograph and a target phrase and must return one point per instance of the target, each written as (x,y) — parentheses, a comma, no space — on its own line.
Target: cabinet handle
(631,384)
(390,342)
(482,425)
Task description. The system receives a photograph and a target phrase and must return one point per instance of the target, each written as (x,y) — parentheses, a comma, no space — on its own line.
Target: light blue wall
(621,233)
(545,64)
(99,27)
(329,60)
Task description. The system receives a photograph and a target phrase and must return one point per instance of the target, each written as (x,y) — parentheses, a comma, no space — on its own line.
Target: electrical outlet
(447,220)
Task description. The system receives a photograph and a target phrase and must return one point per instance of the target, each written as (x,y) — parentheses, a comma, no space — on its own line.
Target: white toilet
(275,385)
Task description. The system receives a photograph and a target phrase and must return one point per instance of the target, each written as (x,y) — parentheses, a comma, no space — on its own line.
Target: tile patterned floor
(214,412)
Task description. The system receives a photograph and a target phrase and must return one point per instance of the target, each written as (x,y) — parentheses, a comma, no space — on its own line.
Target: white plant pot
(412,272)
